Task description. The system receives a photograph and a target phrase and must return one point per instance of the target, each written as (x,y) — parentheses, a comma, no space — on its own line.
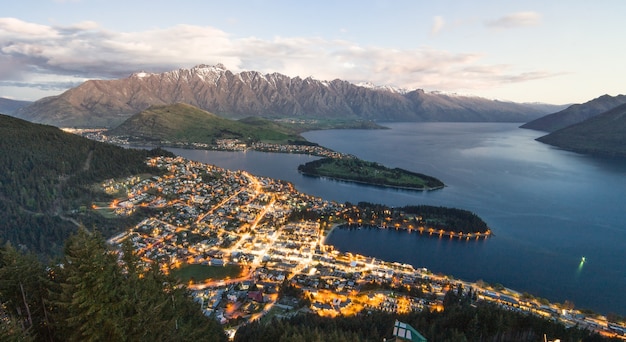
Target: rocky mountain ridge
(603,134)
(107,103)
(576,113)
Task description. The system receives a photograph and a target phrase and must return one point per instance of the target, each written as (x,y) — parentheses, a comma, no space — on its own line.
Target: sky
(556,52)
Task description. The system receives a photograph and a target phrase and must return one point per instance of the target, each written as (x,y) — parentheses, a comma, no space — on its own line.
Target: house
(245,285)
(256,296)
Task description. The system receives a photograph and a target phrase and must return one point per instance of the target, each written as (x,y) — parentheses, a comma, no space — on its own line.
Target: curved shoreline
(421,230)
(330,231)
(431,232)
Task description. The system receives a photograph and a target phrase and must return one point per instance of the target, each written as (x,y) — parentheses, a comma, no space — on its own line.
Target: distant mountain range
(188,124)
(576,113)
(107,103)
(603,134)
(8,106)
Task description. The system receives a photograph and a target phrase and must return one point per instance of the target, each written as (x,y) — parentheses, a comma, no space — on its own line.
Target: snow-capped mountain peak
(389,88)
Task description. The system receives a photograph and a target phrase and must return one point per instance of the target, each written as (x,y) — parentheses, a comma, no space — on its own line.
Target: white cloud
(519,19)
(85,50)
(14,27)
(438,24)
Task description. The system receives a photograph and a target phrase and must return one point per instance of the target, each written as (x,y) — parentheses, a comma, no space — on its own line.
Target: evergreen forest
(95,294)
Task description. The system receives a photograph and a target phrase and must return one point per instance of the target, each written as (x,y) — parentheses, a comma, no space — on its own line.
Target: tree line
(94,293)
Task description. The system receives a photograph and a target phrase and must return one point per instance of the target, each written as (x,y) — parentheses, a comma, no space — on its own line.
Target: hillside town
(244,243)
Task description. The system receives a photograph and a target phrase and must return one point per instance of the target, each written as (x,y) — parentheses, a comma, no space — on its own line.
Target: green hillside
(185,123)
(46,178)
(604,135)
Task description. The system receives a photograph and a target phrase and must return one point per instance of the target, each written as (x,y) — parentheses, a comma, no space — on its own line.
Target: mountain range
(576,113)
(603,134)
(107,103)
(9,106)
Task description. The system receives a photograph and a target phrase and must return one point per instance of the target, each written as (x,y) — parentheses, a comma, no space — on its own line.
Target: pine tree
(101,297)
(23,291)
(12,331)
(89,303)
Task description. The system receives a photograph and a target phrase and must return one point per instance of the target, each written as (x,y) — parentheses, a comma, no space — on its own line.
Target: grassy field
(199,272)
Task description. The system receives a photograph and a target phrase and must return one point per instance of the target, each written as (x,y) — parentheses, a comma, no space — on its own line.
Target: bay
(547,207)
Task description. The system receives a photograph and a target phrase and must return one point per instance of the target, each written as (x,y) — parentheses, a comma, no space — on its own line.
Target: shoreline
(422,230)
(330,231)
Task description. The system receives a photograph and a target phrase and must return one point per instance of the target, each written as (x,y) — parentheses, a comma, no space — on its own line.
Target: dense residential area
(252,248)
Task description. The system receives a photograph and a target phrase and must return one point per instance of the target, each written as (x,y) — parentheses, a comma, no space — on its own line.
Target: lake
(547,207)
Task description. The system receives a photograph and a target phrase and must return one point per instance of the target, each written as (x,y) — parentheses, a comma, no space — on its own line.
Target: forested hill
(45,183)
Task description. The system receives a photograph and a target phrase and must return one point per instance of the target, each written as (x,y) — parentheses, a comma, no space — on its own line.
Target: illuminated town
(240,240)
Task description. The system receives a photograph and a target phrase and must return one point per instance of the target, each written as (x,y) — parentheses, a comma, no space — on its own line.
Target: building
(405,332)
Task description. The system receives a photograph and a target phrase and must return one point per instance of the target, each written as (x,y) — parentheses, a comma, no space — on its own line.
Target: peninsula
(352,169)
(432,220)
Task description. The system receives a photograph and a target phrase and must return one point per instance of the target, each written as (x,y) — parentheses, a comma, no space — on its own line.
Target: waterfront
(547,207)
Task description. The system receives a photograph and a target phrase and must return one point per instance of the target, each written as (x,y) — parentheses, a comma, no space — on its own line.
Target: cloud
(14,27)
(438,24)
(78,27)
(48,86)
(519,19)
(86,51)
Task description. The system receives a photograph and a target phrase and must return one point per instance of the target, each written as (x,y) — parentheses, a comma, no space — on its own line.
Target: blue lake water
(547,207)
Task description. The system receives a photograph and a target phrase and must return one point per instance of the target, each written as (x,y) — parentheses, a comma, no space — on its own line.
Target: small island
(356,170)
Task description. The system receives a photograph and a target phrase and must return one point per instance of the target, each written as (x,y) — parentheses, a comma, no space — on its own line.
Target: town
(238,240)
(100,134)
